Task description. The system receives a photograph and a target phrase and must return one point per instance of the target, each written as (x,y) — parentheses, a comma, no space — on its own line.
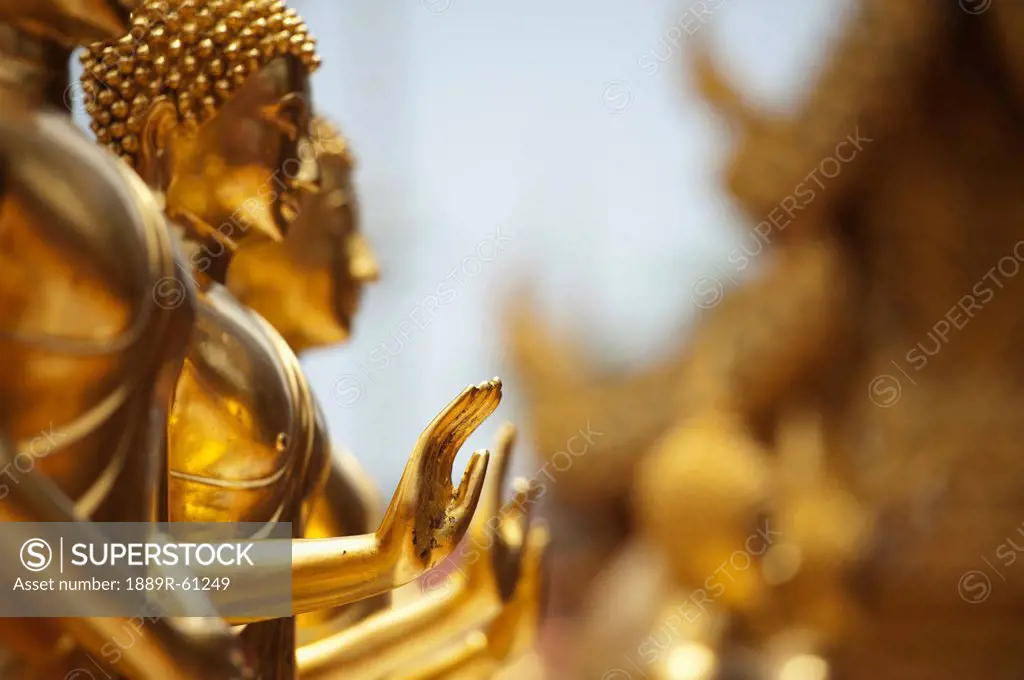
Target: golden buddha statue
(862,390)
(89,358)
(209,103)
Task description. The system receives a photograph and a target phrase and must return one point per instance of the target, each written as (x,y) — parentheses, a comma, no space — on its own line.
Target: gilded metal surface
(323,256)
(481,653)
(350,504)
(68,23)
(467,599)
(89,358)
(151,307)
(244,436)
(194,54)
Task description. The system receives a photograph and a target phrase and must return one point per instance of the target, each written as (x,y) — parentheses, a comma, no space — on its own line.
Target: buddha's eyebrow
(289,114)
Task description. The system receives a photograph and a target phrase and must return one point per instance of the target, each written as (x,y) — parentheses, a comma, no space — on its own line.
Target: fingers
(467,496)
(530,589)
(537,541)
(517,509)
(440,517)
(514,630)
(441,441)
(500,535)
(505,440)
(490,500)
(515,516)
(476,403)
(530,584)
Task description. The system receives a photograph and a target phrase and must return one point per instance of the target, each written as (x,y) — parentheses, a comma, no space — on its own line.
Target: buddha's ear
(289,115)
(156,146)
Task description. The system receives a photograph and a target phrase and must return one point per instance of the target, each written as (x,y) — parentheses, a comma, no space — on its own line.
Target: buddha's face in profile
(323,235)
(210,103)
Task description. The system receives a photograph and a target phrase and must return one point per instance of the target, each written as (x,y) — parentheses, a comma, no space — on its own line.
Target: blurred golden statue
(590,427)
(861,391)
(89,360)
(168,398)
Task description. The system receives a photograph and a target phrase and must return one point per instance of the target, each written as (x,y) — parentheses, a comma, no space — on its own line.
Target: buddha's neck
(33,71)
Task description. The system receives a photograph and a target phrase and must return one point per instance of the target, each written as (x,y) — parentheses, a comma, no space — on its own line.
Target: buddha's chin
(346,310)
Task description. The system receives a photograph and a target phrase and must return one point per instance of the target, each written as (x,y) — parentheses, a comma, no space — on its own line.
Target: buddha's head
(210,103)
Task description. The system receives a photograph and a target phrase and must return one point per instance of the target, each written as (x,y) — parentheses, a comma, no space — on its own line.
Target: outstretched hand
(514,630)
(497,532)
(427,517)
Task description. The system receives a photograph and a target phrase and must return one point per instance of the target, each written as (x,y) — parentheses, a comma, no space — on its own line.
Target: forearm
(325,573)
(469,659)
(397,637)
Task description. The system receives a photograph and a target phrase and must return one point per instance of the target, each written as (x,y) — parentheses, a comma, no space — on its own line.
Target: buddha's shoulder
(78,196)
(243,425)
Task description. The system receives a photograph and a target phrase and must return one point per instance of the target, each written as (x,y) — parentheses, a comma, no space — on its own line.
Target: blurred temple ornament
(152,310)
(863,392)
(590,427)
